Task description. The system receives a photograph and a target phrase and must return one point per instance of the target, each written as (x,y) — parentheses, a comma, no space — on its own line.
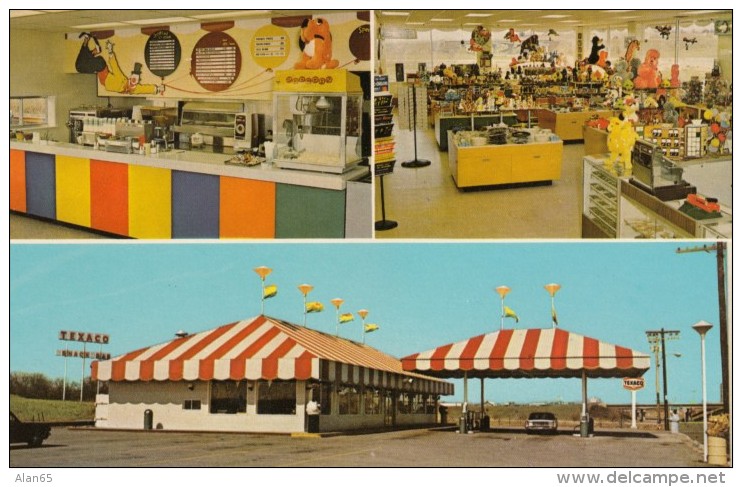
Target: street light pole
(702,328)
(664,382)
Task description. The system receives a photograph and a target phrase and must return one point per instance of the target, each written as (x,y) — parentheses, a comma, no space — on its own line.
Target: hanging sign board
(83,336)
(84,354)
(162,53)
(633,383)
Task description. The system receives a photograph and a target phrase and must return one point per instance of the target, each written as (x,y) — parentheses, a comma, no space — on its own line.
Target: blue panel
(41,185)
(195,205)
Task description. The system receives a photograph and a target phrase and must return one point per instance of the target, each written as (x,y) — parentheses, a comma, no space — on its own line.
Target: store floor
(24,227)
(426,203)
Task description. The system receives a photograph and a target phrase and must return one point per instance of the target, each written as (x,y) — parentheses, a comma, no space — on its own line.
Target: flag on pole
(370,327)
(509,313)
(270,291)
(346,317)
(314,307)
(554,316)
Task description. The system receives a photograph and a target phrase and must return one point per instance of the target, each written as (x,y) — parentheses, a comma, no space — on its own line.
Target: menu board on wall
(216,61)
(162,53)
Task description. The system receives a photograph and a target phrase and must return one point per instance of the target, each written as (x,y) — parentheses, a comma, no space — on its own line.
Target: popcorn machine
(317,120)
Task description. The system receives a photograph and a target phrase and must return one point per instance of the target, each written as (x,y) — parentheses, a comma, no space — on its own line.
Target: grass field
(51,410)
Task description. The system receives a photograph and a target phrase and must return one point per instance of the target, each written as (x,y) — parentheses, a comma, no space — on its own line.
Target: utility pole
(720,248)
(657,338)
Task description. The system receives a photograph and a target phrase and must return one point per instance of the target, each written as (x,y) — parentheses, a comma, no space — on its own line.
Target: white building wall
(128,401)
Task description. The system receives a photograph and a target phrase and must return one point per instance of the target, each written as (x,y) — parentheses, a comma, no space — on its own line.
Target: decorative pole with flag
(368,328)
(305,289)
(363,313)
(337,302)
(503,291)
(263,272)
(553,288)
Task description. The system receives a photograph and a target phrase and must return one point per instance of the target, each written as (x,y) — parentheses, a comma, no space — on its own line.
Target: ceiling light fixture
(166,20)
(474,14)
(398,14)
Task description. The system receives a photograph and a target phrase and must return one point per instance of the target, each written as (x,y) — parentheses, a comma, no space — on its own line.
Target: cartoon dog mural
(315,42)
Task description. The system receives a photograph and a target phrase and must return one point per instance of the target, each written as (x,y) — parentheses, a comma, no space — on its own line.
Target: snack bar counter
(179,194)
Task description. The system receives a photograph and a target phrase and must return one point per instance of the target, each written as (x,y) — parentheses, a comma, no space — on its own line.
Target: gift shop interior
(553,124)
(165,124)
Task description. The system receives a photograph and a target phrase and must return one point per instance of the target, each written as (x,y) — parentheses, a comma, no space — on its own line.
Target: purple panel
(195,210)
(41,185)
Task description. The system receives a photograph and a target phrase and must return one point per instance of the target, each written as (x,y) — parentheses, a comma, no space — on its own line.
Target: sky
(421,295)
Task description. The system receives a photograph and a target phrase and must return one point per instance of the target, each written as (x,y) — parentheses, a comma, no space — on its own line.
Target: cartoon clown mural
(113,78)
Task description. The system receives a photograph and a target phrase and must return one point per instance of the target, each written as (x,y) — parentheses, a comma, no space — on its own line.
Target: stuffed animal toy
(669,115)
(648,75)
(528,46)
(315,42)
(621,139)
(594,56)
(675,76)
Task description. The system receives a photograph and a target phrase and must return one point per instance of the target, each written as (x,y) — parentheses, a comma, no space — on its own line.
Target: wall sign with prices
(162,53)
(216,61)
(270,46)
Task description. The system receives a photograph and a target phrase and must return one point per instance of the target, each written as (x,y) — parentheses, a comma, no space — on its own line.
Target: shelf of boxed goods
(384,155)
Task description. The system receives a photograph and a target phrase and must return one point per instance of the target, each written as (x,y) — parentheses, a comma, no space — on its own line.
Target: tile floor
(426,203)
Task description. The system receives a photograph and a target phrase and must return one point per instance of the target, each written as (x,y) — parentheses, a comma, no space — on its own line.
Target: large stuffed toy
(315,42)
(648,75)
(594,56)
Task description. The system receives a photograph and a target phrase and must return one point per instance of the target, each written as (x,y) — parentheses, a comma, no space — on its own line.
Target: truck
(33,433)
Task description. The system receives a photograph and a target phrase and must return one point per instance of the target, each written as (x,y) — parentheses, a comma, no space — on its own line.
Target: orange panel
(18,180)
(109,197)
(247,208)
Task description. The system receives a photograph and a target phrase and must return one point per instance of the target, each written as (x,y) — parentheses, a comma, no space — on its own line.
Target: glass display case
(317,120)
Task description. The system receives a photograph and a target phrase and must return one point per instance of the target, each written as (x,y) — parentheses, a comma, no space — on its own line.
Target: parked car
(541,422)
(32,433)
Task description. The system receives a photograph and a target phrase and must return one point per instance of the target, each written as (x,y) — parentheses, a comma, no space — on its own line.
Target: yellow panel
(483,166)
(537,162)
(73,190)
(150,206)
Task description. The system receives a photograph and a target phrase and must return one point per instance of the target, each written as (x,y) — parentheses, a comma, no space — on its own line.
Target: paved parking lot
(410,448)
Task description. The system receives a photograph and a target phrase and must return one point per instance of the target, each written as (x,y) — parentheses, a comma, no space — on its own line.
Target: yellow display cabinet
(506,164)
(317,120)
(568,125)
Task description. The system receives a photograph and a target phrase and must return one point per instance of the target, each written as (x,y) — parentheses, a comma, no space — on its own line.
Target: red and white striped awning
(269,349)
(552,352)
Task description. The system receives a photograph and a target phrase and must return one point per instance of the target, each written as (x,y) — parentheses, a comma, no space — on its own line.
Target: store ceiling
(77,20)
(537,20)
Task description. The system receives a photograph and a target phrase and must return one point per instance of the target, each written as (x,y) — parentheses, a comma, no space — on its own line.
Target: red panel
(436,360)
(559,350)
(270,363)
(176,364)
(410,362)
(528,351)
(304,366)
(18,180)
(109,197)
(147,367)
(591,353)
(466,360)
(498,351)
(624,358)
(118,367)
(237,365)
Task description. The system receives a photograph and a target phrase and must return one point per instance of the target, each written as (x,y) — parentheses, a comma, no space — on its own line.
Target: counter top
(199,162)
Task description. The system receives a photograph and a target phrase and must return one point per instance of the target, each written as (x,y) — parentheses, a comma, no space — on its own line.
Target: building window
(372,401)
(325,397)
(228,397)
(349,399)
(32,111)
(277,397)
(192,404)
